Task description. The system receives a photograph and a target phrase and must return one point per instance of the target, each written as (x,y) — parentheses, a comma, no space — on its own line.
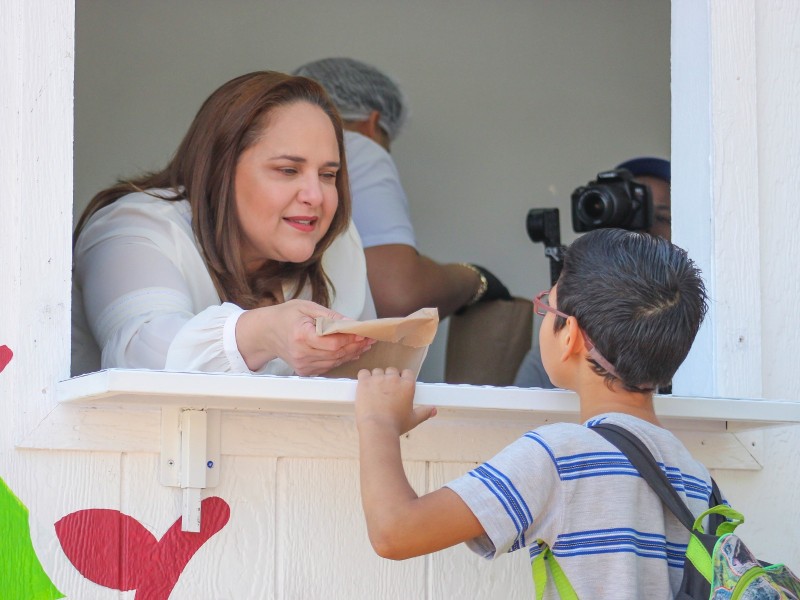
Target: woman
(223,260)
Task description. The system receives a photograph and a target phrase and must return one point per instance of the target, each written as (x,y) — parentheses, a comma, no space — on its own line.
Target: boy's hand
(387,398)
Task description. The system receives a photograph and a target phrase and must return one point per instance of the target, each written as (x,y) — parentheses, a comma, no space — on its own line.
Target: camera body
(543,226)
(614,199)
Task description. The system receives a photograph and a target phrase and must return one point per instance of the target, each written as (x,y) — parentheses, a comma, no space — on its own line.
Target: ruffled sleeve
(208,343)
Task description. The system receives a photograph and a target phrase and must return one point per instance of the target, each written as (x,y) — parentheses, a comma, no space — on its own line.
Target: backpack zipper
(745,579)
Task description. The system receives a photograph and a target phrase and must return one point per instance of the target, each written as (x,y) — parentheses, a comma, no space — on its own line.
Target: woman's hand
(288,331)
(385,399)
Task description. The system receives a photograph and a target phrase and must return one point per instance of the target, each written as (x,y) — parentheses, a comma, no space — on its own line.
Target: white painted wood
(324,551)
(169,459)
(778,79)
(103,429)
(460,573)
(238,562)
(189,457)
(736,71)
(10,104)
(753,442)
(735,198)
(36,66)
(194,433)
(190,509)
(193,470)
(769,498)
(55,484)
(319,436)
(36,168)
(692,208)
(317,395)
(723,450)
(719,195)
(326,430)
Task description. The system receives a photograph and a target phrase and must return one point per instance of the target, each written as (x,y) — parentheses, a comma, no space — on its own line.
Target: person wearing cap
(656,174)
(374,111)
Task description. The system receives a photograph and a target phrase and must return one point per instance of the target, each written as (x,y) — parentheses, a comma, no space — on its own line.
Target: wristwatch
(482,287)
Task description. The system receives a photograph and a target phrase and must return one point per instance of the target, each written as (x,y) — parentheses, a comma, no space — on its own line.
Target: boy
(618,323)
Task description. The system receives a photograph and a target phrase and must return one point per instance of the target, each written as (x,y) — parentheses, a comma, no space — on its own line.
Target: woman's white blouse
(142,296)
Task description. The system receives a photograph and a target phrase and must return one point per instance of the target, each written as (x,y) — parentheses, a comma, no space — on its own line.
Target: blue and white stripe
(611,541)
(509,497)
(597,464)
(593,464)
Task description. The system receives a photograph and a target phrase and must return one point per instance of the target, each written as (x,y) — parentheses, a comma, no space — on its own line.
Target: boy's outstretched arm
(401,524)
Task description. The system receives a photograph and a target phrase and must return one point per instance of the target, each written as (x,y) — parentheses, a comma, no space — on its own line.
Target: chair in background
(486,343)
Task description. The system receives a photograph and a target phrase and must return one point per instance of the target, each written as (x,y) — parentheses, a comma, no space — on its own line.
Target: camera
(614,199)
(543,226)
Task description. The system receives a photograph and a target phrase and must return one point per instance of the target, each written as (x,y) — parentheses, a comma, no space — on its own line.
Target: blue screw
(210,464)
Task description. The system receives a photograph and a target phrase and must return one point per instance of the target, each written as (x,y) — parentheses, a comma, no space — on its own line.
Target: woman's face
(285,186)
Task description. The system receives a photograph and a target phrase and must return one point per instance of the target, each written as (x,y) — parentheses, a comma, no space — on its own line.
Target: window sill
(120,410)
(192,419)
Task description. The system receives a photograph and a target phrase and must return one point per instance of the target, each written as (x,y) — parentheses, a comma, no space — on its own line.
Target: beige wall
(513,103)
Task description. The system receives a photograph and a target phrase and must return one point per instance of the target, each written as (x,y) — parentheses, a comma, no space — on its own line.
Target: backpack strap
(701,546)
(539,568)
(642,460)
(715,520)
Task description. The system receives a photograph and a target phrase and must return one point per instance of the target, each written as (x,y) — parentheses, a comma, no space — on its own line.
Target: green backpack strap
(700,553)
(539,569)
(733,518)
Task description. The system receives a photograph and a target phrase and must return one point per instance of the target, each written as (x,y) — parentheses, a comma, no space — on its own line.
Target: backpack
(718,566)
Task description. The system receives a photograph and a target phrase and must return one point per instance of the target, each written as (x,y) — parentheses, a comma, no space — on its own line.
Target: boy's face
(548,343)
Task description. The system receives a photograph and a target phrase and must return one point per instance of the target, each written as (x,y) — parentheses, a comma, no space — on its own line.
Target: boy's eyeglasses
(541,307)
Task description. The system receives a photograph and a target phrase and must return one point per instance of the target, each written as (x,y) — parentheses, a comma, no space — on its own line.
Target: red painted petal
(5,357)
(116,551)
(176,548)
(107,547)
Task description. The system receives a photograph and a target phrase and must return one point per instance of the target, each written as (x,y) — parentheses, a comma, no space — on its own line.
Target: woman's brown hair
(202,171)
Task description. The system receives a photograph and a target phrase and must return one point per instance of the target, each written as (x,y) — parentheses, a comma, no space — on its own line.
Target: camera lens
(611,201)
(594,208)
(543,226)
(593,205)
(535,225)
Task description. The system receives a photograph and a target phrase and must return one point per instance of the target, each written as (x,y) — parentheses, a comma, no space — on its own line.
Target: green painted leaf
(21,574)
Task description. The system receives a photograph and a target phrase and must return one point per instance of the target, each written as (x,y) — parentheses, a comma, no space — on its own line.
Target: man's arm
(403,281)
(401,524)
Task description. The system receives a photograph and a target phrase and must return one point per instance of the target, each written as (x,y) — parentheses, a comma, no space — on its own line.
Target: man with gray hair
(374,111)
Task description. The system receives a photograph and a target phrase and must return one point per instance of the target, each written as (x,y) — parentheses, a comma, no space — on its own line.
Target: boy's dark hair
(639,298)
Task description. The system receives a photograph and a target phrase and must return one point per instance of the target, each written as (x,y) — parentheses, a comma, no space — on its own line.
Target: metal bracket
(190,451)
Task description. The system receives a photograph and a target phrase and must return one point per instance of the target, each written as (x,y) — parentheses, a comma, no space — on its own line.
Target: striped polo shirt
(565,486)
